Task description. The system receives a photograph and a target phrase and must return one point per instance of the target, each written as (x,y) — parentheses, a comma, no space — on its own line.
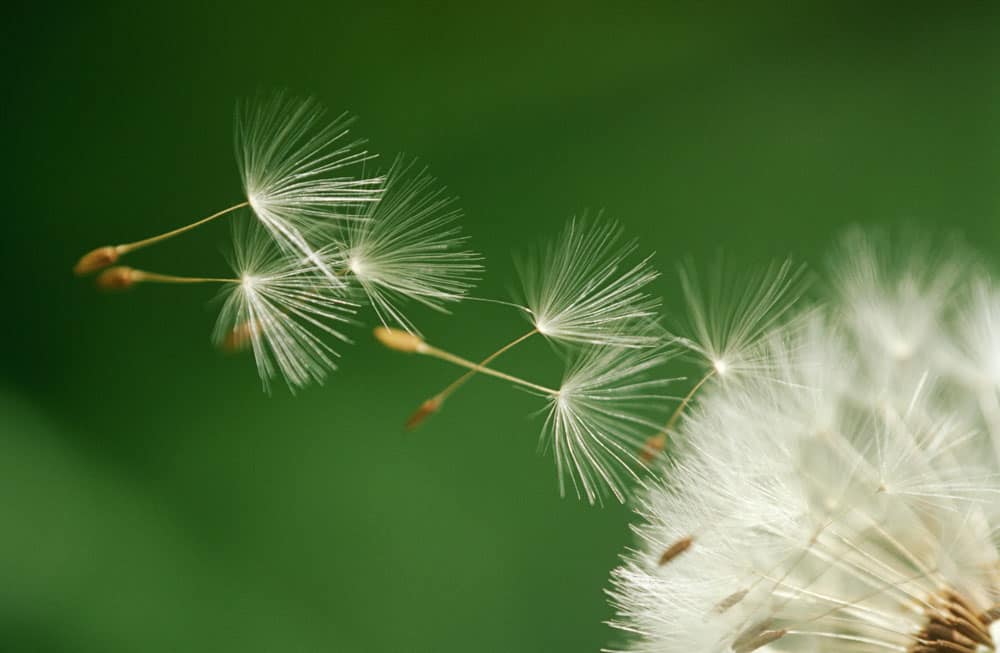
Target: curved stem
(460,381)
(428,350)
(656,442)
(684,402)
(131,247)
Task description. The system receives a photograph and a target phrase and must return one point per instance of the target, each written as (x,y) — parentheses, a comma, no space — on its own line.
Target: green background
(153,499)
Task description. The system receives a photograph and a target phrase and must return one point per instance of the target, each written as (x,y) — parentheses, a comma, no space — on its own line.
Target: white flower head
(408,246)
(727,322)
(833,505)
(283,307)
(294,163)
(608,404)
(582,289)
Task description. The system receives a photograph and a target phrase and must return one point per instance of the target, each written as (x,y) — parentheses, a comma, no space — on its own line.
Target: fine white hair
(848,500)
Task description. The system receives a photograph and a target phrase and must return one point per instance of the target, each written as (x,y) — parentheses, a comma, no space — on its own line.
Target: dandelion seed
(284,306)
(726,329)
(293,166)
(581,289)
(408,246)
(608,401)
(727,322)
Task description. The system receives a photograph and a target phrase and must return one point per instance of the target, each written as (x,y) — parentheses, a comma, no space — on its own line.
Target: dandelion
(607,403)
(292,163)
(407,246)
(282,308)
(844,501)
(579,290)
(726,322)
(726,326)
(609,396)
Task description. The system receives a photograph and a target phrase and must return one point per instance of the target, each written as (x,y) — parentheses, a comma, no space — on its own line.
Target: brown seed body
(952,626)
(426,409)
(652,448)
(240,337)
(759,641)
(95,260)
(117,278)
(675,549)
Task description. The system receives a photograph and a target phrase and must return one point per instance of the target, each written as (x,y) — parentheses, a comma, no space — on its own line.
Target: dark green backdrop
(153,499)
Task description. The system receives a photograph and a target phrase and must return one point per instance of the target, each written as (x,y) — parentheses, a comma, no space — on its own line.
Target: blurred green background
(155,500)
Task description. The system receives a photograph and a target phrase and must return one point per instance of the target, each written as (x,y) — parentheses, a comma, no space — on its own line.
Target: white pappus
(407,245)
(282,307)
(847,501)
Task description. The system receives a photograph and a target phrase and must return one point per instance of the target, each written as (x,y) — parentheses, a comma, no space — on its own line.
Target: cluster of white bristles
(844,493)
(313,230)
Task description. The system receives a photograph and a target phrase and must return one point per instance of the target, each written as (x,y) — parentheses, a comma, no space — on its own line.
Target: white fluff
(283,306)
(407,246)
(725,323)
(581,288)
(294,163)
(608,404)
(835,502)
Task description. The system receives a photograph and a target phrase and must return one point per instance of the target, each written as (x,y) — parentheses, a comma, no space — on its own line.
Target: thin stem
(142,275)
(131,247)
(457,383)
(461,362)
(684,402)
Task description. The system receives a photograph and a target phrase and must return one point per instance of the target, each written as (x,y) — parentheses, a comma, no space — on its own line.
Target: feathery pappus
(407,245)
(849,499)
(282,308)
(582,288)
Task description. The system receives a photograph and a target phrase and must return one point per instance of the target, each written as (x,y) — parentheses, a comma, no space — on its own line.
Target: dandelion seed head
(848,501)
(295,165)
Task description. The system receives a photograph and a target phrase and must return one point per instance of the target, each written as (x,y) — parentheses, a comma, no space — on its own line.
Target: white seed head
(609,403)
(848,502)
(294,163)
(408,246)
(282,307)
(581,288)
